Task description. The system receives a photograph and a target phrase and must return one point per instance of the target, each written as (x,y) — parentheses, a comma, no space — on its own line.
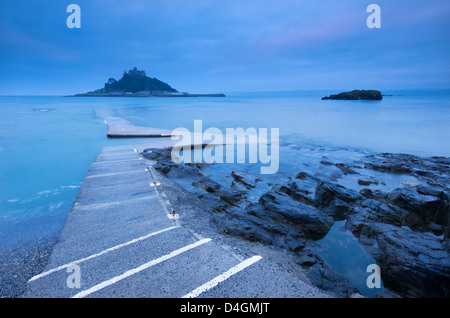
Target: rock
(412,263)
(334,199)
(229,196)
(357,95)
(302,189)
(371,210)
(245,179)
(308,257)
(177,170)
(281,208)
(305,176)
(428,190)
(424,209)
(395,227)
(247,226)
(388,167)
(367,181)
(391,163)
(326,162)
(345,168)
(323,277)
(254,226)
(207,184)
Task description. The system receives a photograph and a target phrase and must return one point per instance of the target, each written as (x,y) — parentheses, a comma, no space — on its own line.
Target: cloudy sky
(224,45)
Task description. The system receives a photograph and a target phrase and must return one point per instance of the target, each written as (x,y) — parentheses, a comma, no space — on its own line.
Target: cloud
(223,43)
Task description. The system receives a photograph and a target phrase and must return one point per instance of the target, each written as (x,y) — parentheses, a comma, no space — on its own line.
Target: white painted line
(101,253)
(112,174)
(77,207)
(139,269)
(115,161)
(215,281)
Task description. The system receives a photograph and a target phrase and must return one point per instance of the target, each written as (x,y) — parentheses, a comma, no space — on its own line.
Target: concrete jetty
(120,240)
(121,128)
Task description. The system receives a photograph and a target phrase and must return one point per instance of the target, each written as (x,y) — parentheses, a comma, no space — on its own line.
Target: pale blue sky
(227,45)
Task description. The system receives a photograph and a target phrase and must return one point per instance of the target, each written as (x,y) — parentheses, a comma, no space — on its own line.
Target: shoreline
(414,217)
(325,190)
(206,215)
(20,262)
(111,223)
(146,95)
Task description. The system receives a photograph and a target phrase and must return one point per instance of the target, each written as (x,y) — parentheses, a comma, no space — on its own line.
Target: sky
(215,46)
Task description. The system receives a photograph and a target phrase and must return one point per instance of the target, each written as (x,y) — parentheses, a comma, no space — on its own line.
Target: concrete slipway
(121,240)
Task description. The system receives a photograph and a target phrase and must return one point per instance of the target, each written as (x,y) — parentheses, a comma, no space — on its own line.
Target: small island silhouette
(136,83)
(357,95)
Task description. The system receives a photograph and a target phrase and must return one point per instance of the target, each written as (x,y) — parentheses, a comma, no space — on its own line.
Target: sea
(47,144)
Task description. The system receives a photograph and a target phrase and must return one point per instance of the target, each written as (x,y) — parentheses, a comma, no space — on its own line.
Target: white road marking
(101,253)
(114,161)
(108,204)
(139,269)
(222,277)
(112,174)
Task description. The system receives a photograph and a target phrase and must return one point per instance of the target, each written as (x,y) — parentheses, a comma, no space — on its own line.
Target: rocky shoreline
(405,229)
(19,263)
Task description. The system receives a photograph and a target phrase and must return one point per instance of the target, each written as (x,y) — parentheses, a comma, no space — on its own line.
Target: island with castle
(136,83)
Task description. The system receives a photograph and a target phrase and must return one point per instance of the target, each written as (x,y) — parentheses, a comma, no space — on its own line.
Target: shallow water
(347,257)
(47,144)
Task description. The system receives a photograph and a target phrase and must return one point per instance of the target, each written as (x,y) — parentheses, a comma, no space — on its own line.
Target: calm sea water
(48,143)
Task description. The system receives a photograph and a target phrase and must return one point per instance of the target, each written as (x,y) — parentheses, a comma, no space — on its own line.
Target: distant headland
(136,83)
(357,95)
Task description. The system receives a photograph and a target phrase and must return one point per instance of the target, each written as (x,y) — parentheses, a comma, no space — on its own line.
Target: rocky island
(356,95)
(136,83)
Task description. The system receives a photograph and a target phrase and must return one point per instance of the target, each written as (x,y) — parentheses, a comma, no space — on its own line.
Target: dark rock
(323,277)
(334,199)
(371,210)
(177,170)
(428,190)
(394,226)
(345,168)
(305,176)
(281,208)
(254,226)
(207,184)
(247,226)
(424,208)
(302,189)
(412,263)
(245,179)
(357,95)
(388,167)
(367,181)
(229,196)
